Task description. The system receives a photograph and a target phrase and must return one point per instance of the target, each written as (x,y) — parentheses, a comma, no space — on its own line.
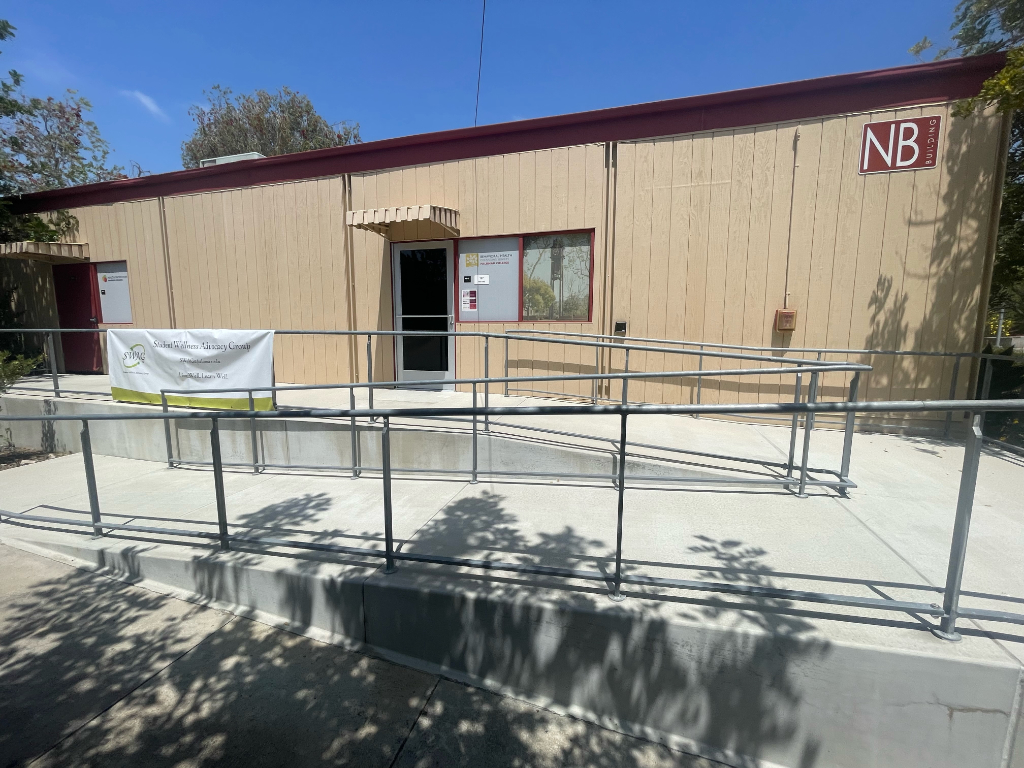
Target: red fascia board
(838,94)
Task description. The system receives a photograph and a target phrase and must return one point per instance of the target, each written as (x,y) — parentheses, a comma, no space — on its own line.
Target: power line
(480,65)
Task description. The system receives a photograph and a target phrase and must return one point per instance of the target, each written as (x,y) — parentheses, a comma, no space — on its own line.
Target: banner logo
(133,356)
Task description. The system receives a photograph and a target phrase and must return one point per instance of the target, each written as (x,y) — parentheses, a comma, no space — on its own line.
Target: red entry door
(78,306)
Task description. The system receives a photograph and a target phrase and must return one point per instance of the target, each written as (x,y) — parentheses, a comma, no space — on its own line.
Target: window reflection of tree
(552,294)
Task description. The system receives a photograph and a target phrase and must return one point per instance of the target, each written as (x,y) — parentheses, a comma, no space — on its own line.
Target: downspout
(611,169)
(167,263)
(350,268)
(789,234)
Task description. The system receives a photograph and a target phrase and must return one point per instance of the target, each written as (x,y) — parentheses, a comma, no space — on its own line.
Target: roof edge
(904,86)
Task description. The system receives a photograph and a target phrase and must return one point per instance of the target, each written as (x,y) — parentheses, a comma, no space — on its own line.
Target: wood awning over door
(51,253)
(408,222)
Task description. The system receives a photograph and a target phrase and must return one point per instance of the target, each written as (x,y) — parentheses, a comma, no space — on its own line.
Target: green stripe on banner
(193,401)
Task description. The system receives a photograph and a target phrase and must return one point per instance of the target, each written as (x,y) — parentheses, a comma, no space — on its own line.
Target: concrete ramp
(673,447)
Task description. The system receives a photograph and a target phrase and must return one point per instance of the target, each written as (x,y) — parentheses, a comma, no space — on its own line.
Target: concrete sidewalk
(95,672)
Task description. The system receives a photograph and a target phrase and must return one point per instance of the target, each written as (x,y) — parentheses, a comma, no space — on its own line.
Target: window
(556,277)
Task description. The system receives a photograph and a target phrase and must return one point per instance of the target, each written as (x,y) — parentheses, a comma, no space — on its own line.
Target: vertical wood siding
(711,232)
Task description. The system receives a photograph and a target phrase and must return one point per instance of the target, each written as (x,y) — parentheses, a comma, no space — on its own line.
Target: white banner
(143,362)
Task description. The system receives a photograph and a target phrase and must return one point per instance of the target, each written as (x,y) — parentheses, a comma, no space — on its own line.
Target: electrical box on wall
(785,320)
(489,272)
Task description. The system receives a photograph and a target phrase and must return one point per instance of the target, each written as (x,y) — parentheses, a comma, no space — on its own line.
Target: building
(694,219)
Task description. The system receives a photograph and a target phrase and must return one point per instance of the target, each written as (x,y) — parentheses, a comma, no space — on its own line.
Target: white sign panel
(144,362)
(115,303)
(492,266)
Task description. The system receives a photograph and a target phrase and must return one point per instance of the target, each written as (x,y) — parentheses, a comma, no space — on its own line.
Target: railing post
(812,397)
(90,479)
(506,366)
(53,365)
(389,537)
(353,434)
(844,470)
(597,372)
(167,431)
(986,384)
(952,396)
(625,382)
(793,428)
(617,585)
(961,529)
(700,379)
(487,388)
(252,434)
(473,476)
(369,370)
(218,484)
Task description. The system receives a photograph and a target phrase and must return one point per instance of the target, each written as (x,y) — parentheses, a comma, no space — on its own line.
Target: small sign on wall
(900,145)
(491,266)
(115,301)
(785,320)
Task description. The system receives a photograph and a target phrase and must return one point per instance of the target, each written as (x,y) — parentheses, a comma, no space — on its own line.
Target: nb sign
(900,145)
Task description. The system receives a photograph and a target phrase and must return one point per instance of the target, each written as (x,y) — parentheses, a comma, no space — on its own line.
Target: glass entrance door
(424,302)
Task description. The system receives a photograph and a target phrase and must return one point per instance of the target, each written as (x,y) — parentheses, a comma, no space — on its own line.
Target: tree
(52,145)
(45,144)
(268,123)
(538,298)
(988,26)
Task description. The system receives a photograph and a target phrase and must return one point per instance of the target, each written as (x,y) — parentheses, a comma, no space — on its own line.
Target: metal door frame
(401,374)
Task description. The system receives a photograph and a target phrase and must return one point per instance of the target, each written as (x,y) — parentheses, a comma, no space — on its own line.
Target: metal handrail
(592,341)
(820,368)
(948,614)
(753,348)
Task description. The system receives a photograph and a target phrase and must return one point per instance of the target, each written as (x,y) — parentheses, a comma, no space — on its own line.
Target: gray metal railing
(599,342)
(841,483)
(701,350)
(948,614)
(784,365)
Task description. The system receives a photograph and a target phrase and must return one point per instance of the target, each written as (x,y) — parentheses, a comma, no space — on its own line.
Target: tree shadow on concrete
(94,672)
(297,513)
(639,663)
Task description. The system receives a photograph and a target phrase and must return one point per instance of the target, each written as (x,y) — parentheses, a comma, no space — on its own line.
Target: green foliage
(13,368)
(987,26)
(1005,88)
(52,144)
(538,298)
(268,123)
(1008,270)
(45,144)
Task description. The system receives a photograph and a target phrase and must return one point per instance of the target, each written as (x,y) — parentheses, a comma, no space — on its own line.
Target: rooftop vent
(229,159)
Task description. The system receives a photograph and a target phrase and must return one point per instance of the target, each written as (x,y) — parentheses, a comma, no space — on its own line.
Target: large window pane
(556,277)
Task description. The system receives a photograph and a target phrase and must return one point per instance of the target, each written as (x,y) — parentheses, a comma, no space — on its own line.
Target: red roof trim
(880,89)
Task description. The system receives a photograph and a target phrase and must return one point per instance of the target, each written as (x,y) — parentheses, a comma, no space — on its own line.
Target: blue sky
(400,67)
